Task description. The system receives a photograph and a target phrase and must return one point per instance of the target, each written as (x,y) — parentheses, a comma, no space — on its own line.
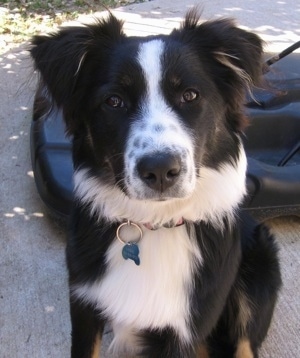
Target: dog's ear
(233,57)
(61,57)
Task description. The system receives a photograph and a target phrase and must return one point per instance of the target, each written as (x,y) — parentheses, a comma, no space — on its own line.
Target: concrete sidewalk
(34,317)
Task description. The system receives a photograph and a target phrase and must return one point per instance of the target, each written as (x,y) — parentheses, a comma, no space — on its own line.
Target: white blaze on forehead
(154,107)
(149,57)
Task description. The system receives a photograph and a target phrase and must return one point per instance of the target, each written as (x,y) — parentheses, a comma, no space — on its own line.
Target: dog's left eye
(189,95)
(115,102)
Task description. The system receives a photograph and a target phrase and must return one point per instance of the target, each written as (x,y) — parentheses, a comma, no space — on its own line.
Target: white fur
(152,295)
(173,136)
(156,293)
(217,194)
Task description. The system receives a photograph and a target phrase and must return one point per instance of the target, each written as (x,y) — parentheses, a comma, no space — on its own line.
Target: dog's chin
(158,197)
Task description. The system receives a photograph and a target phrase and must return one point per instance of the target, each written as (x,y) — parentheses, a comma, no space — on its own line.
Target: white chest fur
(154,294)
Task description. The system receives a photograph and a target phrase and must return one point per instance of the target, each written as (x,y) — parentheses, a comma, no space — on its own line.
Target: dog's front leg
(87,329)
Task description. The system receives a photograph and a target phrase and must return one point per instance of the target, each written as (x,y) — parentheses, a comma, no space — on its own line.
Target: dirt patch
(19,20)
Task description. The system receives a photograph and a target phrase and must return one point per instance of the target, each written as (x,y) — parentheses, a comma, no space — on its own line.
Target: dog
(158,247)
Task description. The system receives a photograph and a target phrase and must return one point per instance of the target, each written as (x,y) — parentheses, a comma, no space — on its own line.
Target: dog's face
(150,115)
(160,160)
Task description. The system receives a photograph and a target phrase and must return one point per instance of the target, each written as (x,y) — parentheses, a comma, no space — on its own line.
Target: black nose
(160,170)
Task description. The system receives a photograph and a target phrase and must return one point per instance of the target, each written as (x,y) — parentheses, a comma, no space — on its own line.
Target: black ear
(61,57)
(233,57)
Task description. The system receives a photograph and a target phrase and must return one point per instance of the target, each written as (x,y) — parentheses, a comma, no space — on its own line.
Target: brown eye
(189,95)
(115,102)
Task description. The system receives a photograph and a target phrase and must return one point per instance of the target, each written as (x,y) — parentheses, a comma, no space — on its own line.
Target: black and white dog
(158,247)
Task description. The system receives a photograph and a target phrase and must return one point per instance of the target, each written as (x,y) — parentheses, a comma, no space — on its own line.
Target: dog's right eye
(115,102)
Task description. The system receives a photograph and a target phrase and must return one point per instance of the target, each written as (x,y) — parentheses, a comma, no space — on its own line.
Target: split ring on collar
(129,223)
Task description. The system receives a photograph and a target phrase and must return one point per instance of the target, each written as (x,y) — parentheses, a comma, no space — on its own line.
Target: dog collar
(130,249)
(168,225)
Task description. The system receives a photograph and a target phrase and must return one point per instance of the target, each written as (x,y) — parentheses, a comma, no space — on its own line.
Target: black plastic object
(272,144)
(51,157)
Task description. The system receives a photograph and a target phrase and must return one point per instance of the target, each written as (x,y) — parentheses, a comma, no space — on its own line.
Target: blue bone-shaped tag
(131,251)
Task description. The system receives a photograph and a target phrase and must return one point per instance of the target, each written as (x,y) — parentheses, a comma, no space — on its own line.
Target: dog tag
(131,251)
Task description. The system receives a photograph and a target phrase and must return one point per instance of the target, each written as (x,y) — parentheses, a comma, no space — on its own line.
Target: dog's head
(152,117)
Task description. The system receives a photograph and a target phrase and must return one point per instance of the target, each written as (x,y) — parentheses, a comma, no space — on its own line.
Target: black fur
(79,66)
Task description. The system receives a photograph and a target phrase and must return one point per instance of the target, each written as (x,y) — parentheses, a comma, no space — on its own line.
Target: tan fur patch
(96,348)
(225,59)
(202,352)
(244,349)
(244,313)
